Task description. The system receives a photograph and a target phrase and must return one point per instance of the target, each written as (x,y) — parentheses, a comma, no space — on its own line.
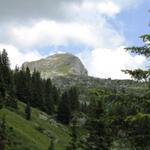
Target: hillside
(67,70)
(87,83)
(34,134)
(83,105)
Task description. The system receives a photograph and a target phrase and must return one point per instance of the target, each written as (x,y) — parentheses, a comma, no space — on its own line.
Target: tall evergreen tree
(23,84)
(5,69)
(8,86)
(49,101)
(2,89)
(74,99)
(37,90)
(98,138)
(55,94)
(64,112)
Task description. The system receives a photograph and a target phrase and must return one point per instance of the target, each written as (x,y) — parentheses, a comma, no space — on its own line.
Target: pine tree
(28,85)
(98,138)
(49,101)
(5,69)
(55,94)
(8,81)
(64,112)
(74,99)
(10,99)
(2,90)
(37,90)
(22,80)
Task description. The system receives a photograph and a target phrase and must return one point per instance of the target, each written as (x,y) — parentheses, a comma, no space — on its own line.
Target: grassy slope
(27,131)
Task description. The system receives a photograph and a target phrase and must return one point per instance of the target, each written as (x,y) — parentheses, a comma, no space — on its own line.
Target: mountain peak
(61,64)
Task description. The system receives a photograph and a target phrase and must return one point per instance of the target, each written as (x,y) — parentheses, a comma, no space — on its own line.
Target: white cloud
(46,33)
(52,33)
(108,8)
(58,9)
(65,22)
(17,57)
(106,63)
(128,4)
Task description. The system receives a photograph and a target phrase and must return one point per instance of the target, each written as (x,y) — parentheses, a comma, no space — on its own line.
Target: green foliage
(49,98)
(139,74)
(113,113)
(32,88)
(24,134)
(73,97)
(69,104)
(99,132)
(3,134)
(73,145)
(143,50)
(139,130)
(7,87)
(51,147)
(64,111)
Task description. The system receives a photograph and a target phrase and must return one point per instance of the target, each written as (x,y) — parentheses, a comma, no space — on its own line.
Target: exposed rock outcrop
(58,65)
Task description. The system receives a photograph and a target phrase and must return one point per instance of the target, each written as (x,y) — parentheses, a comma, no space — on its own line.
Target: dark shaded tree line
(7,85)
(20,84)
(38,92)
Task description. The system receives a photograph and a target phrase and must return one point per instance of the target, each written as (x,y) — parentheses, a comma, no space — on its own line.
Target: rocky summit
(58,65)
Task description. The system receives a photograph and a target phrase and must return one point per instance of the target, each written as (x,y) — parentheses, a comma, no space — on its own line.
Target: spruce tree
(28,85)
(6,75)
(5,69)
(2,90)
(49,101)
(55,95)
(98,138)
(23,84)
(37,90)
(64,111)
(74,99)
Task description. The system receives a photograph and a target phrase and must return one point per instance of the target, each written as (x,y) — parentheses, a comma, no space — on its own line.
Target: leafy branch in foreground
(139,74)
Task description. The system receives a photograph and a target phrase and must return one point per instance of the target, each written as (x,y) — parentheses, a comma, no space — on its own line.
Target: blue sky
(136,22)
(94,30)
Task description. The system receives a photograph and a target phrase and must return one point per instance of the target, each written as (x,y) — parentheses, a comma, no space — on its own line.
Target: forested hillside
(106,118)
(74,75)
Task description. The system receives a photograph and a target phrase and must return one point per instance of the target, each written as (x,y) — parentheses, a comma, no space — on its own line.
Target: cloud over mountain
(27,26)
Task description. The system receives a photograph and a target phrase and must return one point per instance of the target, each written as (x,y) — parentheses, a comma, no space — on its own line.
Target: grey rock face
(58,65)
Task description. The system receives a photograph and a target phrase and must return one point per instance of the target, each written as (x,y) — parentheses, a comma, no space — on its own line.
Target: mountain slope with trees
(74,112)
(34,134)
